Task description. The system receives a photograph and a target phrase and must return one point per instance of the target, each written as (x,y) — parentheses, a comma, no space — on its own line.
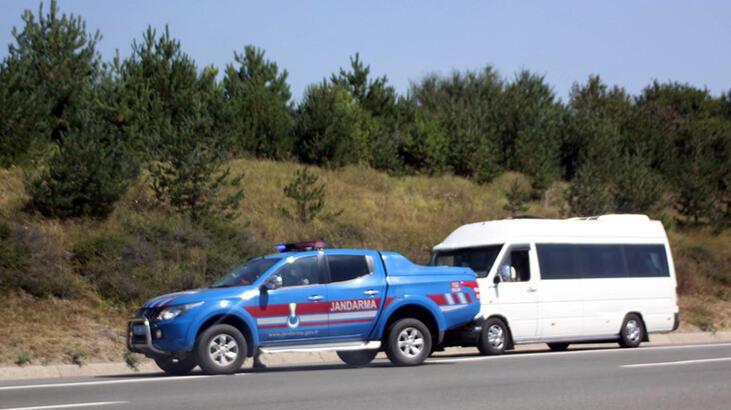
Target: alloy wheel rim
(496,336)
(223,350)
(411,342)
(632,330)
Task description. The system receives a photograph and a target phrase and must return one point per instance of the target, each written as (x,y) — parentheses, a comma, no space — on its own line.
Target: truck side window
(519,259)
(301,272)
(347,267)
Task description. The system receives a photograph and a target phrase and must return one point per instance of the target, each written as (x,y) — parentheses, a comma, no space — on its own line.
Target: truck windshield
(245,274)
(479,259)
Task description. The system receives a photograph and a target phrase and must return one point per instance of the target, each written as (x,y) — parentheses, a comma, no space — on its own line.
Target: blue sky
(628,43)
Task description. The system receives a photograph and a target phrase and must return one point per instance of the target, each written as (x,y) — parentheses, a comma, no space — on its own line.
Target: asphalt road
(667,377)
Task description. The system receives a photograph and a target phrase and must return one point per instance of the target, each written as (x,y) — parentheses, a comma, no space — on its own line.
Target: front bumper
(141,343)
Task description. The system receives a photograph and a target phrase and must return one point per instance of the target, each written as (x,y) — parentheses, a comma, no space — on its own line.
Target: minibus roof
(615,226)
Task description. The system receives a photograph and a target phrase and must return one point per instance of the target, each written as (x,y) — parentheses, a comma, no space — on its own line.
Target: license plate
(138,330)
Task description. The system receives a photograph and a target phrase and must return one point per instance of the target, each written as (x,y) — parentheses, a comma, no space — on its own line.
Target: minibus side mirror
(506,273)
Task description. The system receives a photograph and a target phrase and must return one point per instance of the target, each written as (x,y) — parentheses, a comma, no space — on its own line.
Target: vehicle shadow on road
(440,359)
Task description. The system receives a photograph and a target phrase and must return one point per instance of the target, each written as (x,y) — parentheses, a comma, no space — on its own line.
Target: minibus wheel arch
(509,345)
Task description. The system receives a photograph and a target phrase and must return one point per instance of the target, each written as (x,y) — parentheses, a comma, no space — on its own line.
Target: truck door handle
(531,290)
(315,298)
(370,292)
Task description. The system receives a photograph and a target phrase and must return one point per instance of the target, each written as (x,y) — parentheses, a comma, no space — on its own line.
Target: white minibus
(608,278)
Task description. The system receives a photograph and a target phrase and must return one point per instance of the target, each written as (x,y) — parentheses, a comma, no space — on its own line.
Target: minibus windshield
(479,259)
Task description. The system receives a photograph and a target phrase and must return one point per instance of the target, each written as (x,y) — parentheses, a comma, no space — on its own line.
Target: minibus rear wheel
(632,332)
(494,337)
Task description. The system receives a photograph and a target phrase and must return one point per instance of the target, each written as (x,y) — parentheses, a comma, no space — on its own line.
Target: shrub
(34,261)
(23,358)
(153,257)
(132,361)
(77,357)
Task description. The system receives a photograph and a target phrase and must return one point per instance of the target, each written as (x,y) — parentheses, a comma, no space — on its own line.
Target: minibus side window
(519,260)
(646,261)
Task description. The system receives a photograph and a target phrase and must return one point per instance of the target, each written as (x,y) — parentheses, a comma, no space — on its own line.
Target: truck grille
(148,313)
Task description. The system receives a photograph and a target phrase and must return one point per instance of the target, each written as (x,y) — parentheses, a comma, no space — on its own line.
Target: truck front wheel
(220,349)
(357,357)
(408,342)
(175,366)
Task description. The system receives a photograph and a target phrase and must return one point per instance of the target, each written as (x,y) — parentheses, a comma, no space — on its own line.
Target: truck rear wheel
(220,349)
(408,342)
(175,367)
(357,357)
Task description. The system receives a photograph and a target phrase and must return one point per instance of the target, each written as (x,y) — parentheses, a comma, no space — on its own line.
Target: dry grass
(55,331)
(403,214)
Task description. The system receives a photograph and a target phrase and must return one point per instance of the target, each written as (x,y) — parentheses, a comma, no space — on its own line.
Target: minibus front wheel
(494,337)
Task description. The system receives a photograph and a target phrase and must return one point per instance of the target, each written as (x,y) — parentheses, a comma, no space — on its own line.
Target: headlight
(171,312)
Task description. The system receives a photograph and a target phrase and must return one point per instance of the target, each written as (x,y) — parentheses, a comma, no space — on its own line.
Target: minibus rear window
(479,259)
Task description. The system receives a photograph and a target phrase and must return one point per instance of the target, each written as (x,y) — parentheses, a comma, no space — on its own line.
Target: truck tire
(494,337)
(632,331)
(357,357)
(175,367)
(408,342)
(558,347)
(220,349)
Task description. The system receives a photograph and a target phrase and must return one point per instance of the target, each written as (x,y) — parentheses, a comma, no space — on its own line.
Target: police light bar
(301,246)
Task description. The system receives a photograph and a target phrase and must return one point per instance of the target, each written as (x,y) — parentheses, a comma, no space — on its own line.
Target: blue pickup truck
(307,298)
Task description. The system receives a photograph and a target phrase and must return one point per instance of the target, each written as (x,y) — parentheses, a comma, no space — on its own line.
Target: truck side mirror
(272,282)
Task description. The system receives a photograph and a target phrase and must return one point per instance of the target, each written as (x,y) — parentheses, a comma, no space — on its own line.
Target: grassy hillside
(69,286)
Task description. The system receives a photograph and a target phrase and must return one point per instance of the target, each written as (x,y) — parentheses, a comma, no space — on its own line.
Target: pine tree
(260,100)
(191,176)
(331,129)
(62,63)
(464,109)
(531,129)
(517,196)
(637,188)
(308,196)
(161,84)
(23,124)
(85,177)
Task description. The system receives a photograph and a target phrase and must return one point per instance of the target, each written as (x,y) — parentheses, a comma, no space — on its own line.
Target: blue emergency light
(300,246)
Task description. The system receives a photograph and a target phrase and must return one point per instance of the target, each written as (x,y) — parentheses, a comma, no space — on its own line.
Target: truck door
(356,291)
(517,290)
(297,310)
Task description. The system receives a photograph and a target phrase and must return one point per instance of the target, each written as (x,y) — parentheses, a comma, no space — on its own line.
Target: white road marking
(678,363)
(67,406)
(552,354)
(103,382)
